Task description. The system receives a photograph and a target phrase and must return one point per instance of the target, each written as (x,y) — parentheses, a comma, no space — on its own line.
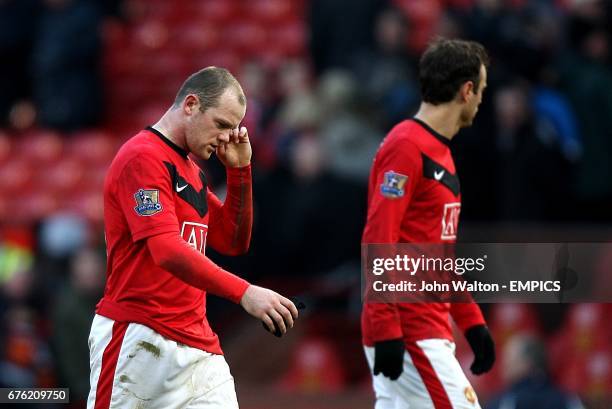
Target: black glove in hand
(389,358)
(482,344)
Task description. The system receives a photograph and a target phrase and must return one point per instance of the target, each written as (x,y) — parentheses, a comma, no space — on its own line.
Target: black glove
(277,332)
(483,346)
(389,358)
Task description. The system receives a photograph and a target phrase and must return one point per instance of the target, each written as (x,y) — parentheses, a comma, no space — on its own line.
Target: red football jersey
(153,187)
(413,197)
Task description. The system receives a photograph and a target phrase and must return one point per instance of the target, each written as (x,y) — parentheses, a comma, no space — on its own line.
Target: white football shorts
(132,366)
(432,379)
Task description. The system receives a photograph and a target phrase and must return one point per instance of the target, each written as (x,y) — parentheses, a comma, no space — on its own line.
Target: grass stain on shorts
(149,347)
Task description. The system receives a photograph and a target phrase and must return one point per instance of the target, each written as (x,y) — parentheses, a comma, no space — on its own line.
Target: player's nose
(224,137)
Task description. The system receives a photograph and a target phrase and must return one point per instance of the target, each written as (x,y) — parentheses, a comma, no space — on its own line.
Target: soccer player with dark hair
(150,343)
(414,197)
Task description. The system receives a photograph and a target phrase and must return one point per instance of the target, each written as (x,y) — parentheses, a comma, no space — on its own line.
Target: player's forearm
(232,235)
(170,252)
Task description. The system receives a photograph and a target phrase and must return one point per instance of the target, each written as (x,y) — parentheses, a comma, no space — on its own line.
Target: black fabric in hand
(389,358)
(482,344)
(277,332)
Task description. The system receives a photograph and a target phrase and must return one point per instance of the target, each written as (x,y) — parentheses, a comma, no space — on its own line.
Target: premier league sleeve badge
(393,185)
(147,202)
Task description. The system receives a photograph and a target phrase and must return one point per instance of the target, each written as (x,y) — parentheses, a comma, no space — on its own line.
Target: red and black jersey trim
(187,192)
(168,142)
(433,170)
(433,132)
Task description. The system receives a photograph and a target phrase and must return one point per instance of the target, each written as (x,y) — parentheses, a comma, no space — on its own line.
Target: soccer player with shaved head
(151,344)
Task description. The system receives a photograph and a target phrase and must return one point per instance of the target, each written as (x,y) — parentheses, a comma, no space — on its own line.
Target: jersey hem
(118,313)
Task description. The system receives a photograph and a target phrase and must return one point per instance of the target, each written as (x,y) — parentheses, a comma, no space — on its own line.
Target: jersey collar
(432,131)
(168,142)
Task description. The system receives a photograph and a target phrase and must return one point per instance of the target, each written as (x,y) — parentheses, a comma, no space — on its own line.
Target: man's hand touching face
(237,152)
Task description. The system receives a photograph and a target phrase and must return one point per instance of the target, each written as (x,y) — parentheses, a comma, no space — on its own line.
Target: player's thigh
(213,385)
(384,388)
(138,368)
(152,369)
(433,377)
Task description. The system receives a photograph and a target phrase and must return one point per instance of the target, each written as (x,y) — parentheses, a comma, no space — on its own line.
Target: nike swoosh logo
(438,175)
(180,188)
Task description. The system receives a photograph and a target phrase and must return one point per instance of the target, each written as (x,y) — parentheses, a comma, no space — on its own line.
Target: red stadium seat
(120,62)
(16,175)
(6,146)
(508,319)
(220,57)
(584,326)
(150,113)
(114,34)
(223,11)
(33,205)
(314,367)
(130,92)
(269,11)
(40,147)
(150,34)
(422,15)
(92,146)
(589,375)
(88,203)
(167,62)
(60,177)
(289,38)
(577,347)
(96,174)
(246,36)
(140,10)
(196,36)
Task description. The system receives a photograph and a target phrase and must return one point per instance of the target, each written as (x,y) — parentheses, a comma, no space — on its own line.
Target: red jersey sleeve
(395,174)
(143,190)
(173,254)
(466,315)
(230,222)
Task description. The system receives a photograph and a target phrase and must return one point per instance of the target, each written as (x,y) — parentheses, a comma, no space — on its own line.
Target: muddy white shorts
(432,379)
(132,366)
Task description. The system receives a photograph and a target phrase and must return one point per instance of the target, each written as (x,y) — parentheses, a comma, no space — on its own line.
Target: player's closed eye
(223,125)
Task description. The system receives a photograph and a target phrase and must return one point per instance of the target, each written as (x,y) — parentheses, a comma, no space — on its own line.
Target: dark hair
(209,84)
(534,352)
(446,65)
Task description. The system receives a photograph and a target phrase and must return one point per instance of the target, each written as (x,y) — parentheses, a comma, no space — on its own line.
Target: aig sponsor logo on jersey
(195,235)
(147,202)
(393,185)
(450,221)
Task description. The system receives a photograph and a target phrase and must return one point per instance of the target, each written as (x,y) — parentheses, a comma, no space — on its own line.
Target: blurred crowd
(325,80)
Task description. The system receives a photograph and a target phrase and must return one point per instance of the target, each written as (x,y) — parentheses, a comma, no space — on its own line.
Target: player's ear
(466,90)
(191,104)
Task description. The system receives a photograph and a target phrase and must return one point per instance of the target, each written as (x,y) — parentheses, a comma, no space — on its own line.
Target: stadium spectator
(65,65)
(385,71)
(71,322)
(16,39)
(586,79)
(339,29)
(525,368)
